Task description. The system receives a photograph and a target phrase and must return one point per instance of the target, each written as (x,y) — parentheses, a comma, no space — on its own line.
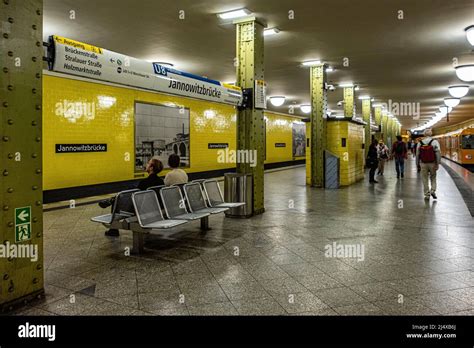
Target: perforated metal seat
(121,209)
(214,195)
(175,206)
(197,201)
(149,213)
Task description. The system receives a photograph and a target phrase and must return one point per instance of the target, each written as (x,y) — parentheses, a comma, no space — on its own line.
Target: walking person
(372,161)
(400,153)
(428,157)
(382,152)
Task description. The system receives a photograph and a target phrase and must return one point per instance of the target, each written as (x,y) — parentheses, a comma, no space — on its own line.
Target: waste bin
(239,188)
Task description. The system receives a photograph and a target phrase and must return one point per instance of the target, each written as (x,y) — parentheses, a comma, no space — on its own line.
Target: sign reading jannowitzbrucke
(77,58)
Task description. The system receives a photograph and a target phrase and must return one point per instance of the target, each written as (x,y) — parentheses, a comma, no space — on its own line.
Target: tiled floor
(418,257)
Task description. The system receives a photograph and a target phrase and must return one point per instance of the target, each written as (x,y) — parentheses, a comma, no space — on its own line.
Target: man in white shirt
(176,175)
(428,157)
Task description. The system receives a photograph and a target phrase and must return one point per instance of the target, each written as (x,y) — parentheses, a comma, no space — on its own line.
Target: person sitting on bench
(176,176)
(153,168)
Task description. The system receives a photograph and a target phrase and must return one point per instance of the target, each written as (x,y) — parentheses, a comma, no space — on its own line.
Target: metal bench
(214,195)
(175,206)
(121,209)
(157,190)
(148,218)
(197,200)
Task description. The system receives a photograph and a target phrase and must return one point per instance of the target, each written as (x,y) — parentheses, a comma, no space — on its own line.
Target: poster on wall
(299,139)
(159,132)
(81,59)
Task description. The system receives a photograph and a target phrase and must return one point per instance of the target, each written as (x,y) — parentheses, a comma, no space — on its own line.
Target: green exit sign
(22,224)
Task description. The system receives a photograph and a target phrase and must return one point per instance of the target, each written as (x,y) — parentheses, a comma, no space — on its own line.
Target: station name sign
(81,59)
(217,145)
(77,148)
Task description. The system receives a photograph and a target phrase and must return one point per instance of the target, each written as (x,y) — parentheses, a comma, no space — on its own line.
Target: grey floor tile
(339,297)
(265,306)
(359,309)
(301,302)
(220,308)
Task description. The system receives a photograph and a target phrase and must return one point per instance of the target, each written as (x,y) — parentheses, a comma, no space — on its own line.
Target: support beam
(349,102)
(390,130)
(385,126)
(366,113)
(21,214)
(318,124)
(378,121)
(250,122)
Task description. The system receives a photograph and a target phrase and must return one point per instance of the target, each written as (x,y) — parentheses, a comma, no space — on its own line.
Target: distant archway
(182,150)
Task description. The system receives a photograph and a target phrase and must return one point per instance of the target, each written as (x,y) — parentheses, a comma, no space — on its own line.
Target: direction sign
(22,224)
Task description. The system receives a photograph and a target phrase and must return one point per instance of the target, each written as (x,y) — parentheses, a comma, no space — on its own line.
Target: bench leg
(138,242)
(205,224)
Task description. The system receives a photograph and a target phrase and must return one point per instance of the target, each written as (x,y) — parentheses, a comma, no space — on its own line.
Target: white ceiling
(407,60)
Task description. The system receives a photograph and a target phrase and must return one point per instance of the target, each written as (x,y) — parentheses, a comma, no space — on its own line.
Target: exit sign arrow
(23,215)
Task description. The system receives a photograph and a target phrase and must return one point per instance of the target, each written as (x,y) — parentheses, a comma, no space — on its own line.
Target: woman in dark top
(372,161)
(153,168)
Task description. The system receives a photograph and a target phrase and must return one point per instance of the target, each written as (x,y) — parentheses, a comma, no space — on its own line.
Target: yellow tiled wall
(112,122)
(351,156)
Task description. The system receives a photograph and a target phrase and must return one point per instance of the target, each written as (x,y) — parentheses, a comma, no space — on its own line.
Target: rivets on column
(38,235)
(34,155)
(35,280)
(38,139)
(38,171)
(6,208)
(34,123)
(33,59)
(6,2)
(33,91)
(38,203)
(38,75)
(5,277)
(34,187)
(5,70)
(10,121)
(38,107)
(38,266)
(38,12)
(5,35)
(10,87)
(10,224)
(38,44)
(35,219)
(11,288)
(5,138)
(10,156)
(10,53)
(10,20)
(5,104)
(10,190)
(34,27)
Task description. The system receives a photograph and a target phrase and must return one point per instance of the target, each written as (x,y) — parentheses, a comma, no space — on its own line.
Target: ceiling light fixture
(458,91)
(305,108)
(271,31)
(452,102)
(356,88)
(470,34)
(445,109)
(465,72)
(346,84)
(277,100)
(364,97)
(329,69)
(243,12)
(311,63)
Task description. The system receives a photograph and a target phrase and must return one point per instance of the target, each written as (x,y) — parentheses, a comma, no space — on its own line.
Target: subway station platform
(417,256)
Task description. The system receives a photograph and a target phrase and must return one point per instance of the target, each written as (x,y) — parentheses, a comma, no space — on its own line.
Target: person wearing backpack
(399,152)
(428,157)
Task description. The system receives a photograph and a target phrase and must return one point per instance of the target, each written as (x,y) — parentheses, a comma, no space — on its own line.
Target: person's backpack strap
(429,144)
